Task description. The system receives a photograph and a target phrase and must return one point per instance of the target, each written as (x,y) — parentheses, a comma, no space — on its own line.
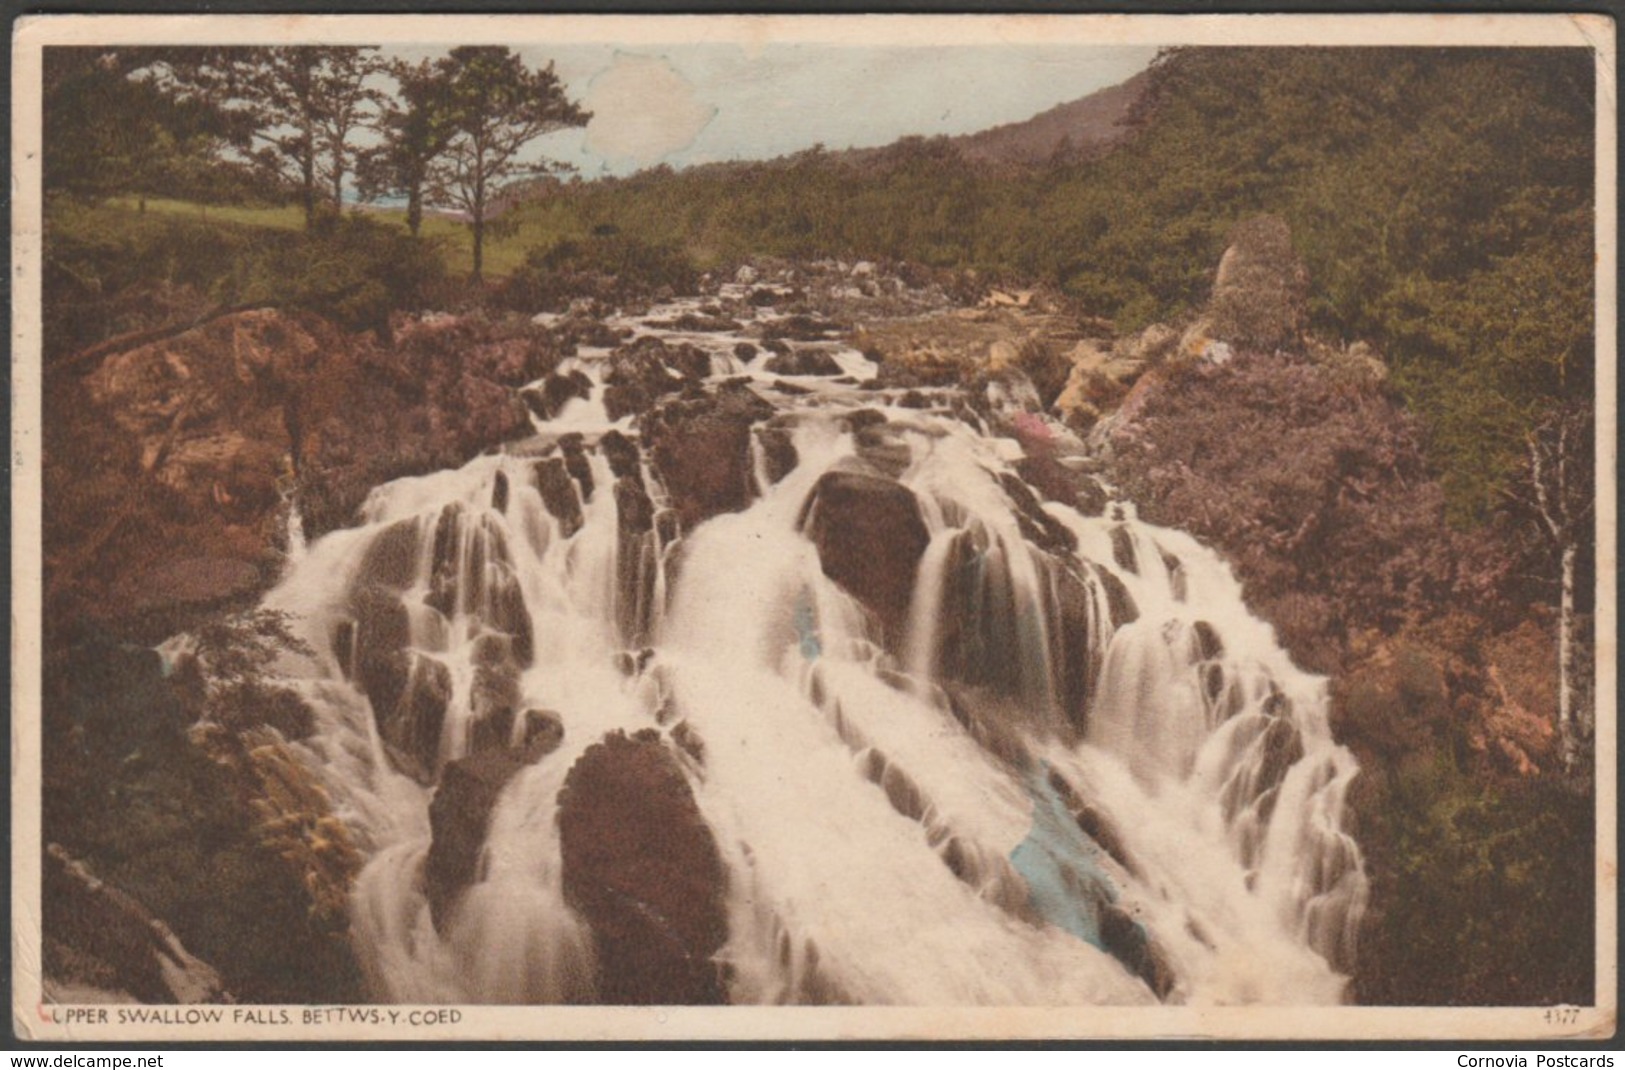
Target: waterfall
(1061,765)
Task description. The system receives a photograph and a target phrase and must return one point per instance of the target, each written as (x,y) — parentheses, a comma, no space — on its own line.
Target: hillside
(1084,128)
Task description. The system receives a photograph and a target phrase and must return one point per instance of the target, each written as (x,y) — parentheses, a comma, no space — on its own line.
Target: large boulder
(870,536)
(558,491)
(643,371)
(642,869)
(803,361)
(459,817)
(1260,293)
(701,447)
(460,812)
(556,391)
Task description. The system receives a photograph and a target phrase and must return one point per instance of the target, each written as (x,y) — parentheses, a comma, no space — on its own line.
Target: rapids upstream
(946,745)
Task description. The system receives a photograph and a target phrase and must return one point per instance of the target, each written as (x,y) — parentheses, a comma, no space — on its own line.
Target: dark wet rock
(779,456)
(1037,526)
(1127,941)
(800,328)
(341,642)
(790,389)
(1122,605)
(506,611)
(1208,643)
(444,572)
(574,449)
(493,703)
(883,450)
(493,650)
(557,391)
(668,527)
(860,420)
(697,322)
(540,734)
(459,817)
(408,692)
(191,586)
(1280,749)
(745,352)
(870,537)
(803,362)
(1073,647)
(1094,824)
(493,732)
(391,560)
(633,508)
(904,795)
(578,330)
(764,297)
(499,492)
(689,741)
(382,628)
(412,725)
(701,448)
(913,399)
(776,346)
(623,455)
(1061,483)
(643,371)
(1123,550)
(558,493)
(642,869)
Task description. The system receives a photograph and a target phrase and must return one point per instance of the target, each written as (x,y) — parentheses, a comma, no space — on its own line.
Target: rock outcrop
(701,446)
(120,946)
(645,370)
(1260,292)
(170,466)
(870,537)
(220,836)
(642,869)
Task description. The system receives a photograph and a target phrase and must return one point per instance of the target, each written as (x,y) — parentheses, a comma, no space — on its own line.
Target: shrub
(609,267)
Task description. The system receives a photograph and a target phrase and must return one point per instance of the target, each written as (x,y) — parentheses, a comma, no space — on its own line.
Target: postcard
(647,528)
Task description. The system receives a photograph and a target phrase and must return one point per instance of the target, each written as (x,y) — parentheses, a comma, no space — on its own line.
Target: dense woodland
(1442,201)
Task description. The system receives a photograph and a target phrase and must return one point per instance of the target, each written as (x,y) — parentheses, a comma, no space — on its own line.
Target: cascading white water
(1073,777)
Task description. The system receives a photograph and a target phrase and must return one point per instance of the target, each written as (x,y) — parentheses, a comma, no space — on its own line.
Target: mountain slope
(1087,125)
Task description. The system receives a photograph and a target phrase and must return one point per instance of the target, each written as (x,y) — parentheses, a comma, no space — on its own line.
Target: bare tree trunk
(1568,672)
(414,209)
(479,241)
(309,188)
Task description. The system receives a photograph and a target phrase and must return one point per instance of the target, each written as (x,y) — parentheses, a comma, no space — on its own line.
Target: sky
(707,102)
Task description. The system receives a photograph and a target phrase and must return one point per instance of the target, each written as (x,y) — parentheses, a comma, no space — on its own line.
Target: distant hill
(1086,126)
(1080,129)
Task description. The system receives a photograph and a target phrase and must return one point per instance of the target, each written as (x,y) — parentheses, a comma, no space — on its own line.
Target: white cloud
(643,110)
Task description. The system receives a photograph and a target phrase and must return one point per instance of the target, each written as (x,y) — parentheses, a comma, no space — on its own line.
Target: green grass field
(508,240)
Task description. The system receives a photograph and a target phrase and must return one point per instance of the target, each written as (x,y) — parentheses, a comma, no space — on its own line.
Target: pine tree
(497,106)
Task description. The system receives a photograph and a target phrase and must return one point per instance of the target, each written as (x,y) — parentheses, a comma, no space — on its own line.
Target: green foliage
(1441,199)
(1490,892)
(109,270)
(111,128)
(609,267)
(355,271)
(495,106)
(232,659)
